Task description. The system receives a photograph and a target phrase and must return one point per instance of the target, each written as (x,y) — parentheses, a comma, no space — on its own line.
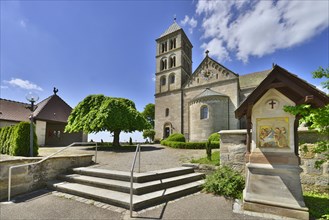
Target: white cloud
(3,87)
(191,22)
(24,84)
(257,28)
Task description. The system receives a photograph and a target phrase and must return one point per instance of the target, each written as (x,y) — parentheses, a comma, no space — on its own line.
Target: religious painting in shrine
(273,132)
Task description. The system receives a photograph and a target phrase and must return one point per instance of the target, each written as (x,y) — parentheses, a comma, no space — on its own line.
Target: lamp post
(31,97)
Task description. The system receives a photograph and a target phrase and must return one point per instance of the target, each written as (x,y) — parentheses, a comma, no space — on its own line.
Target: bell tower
(173,69)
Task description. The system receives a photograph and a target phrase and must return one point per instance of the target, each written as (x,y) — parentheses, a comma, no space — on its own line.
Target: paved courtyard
(153,157)
(45,204)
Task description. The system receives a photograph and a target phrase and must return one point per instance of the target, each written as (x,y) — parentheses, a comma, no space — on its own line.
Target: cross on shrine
(272,103)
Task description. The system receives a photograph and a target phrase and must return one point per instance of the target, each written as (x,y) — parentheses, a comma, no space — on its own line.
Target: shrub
(176,137)
(188,145)
(214,137)
(5,134)
(20,140)
(225,182)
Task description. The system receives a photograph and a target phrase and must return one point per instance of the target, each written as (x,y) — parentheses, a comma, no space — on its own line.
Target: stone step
(123,199)
(138,177)
(138,188)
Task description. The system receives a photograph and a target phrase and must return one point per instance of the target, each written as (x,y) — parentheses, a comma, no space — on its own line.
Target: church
(197,103)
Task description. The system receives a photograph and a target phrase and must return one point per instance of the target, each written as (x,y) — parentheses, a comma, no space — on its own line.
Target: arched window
(172,61)
(173,43)
(164,47)
(204,112)
(163,81)
(167,112)
(163,64)
(172,79)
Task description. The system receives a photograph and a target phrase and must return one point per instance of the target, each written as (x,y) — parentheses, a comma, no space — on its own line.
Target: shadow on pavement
(31,195)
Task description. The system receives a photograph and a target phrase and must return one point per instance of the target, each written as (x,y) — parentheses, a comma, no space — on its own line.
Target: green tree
(316,118)
(149,133)
(149,113)
(101,113)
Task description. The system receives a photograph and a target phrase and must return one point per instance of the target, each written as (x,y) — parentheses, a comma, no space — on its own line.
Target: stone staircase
(113,187)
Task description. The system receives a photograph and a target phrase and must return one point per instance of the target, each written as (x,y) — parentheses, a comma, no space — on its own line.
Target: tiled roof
(174,27)
(252,79)
(207,93)
(14,111)
(52,108)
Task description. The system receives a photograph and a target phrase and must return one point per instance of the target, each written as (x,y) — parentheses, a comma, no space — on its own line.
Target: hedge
(177,137)
(189,145)
(15,140)
(214,137)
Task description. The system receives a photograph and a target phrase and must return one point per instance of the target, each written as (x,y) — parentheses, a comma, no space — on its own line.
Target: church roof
(207,93)
(252,80)
(174,27)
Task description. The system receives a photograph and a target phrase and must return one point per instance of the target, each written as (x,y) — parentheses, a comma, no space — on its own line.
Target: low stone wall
(32,177)
(233,148)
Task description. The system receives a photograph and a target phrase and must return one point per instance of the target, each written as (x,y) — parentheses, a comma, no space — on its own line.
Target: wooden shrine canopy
(296,89)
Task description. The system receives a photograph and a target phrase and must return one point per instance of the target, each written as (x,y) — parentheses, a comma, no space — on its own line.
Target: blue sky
(108,47)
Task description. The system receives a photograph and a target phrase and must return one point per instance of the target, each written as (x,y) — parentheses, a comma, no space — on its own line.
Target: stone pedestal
(273,187)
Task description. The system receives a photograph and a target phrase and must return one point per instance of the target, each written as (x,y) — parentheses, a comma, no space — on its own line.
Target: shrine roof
(294,88)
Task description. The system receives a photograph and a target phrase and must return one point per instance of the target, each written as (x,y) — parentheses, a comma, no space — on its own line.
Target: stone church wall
(172,102)
(228,88)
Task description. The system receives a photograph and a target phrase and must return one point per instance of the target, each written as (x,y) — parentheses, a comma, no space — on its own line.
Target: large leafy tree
(316,118)
(101,113)
(149,114)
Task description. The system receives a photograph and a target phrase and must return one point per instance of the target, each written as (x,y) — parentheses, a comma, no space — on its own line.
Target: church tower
(173,69)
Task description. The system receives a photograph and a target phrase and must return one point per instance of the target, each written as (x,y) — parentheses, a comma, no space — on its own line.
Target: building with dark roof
(50,118)
(201,102)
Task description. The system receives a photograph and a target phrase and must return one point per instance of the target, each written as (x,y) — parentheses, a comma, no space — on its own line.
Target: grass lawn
(214,159)
(318,204)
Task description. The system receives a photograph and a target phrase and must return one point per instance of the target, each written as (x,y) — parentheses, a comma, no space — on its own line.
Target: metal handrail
(34,163)
(138,151)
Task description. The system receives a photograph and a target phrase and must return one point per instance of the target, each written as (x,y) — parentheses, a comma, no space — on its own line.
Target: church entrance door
(166,132)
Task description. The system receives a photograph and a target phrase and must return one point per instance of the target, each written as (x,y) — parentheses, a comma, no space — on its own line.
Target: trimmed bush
(189,145)
(214,137)
(20,140)
(177,137)
(225,182)
(5,134)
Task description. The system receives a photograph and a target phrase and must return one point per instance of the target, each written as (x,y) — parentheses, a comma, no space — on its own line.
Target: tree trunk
(116,141)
